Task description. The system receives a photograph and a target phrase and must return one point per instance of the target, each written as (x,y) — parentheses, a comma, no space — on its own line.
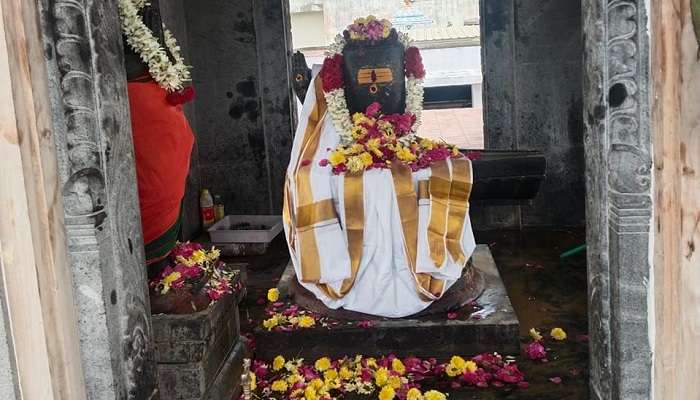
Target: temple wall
(533,101)
(241,112)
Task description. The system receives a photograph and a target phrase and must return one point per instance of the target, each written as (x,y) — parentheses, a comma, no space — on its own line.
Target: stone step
(494,328)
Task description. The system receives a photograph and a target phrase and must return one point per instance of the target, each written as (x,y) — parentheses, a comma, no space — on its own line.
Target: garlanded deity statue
(376,217)
(157,84)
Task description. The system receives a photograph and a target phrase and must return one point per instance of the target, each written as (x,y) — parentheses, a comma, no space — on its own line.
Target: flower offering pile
(385,378)
(195,270)
(380,140)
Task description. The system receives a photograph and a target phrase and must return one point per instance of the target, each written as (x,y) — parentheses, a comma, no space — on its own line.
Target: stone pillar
(619,206)
(274,45)
(84,56)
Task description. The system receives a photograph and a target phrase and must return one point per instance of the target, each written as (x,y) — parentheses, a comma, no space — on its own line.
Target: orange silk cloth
(163,143)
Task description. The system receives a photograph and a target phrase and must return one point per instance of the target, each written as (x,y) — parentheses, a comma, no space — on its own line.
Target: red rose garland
(332,73)
(414,63)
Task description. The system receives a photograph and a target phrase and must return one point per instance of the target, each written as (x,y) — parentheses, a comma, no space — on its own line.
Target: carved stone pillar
(619,207)
(84,55)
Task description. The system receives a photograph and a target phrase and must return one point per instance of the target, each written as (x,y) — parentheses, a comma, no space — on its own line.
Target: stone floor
(544,291)
(463,127)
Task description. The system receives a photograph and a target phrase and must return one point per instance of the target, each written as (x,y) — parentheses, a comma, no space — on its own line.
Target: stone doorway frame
(81,45)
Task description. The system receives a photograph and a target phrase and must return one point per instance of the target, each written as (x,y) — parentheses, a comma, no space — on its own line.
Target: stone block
(424,336)
(194,350)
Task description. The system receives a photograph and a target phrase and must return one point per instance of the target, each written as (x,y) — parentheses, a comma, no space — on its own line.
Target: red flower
(414,63)
(332,73)
(180,97)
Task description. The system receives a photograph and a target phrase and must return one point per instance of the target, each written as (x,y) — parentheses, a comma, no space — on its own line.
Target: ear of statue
(301,75)
(135,68)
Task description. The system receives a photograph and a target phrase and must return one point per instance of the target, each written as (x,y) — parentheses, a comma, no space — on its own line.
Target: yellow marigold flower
(336,158)
(317,384)
(278,363)
(453,371)
(367,159)
(398,366)
(273,295)
(358,132)
(361,21)
(296,393)
(271,322)
(427,144)
(279,386)
(185,261)
(310,393)
(470,366)
(414,394)
(214,254)
(168,281)
(394,381)
(458,362)
(199,256)
(355,164)
(558,334)
(405,154)
(535,334)
(371,362)
(293,378)
(253,381)
(381,376)
(357,118)
(330,374)
(455,151)
(345,373)
(434,395)
(306,321)
(323,364)
(356,148)
(387,393)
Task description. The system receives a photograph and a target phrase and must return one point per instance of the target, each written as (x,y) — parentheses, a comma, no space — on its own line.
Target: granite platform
(492,326)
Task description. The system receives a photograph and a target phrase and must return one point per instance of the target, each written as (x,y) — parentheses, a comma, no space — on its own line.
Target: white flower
(171,77)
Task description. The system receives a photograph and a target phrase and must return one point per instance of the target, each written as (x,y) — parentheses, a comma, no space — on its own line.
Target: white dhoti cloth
(355,239)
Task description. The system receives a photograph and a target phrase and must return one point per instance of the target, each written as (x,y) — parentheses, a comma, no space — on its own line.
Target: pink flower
(373,109)
(555,380)
(365,324)
(452,315)
(536,351)
(323,162)
(523,385)
(474,155)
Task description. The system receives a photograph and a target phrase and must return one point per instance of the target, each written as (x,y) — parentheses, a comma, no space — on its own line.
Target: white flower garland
(338,106)
(172,77)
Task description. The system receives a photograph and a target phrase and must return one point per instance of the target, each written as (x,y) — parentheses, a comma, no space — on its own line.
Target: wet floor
(545,291)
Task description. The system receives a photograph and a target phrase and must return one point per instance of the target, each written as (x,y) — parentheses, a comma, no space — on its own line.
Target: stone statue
(157,117)
(376,217)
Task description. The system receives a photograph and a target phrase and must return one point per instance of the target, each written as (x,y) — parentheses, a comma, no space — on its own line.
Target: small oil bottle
(219,211)
(206,205)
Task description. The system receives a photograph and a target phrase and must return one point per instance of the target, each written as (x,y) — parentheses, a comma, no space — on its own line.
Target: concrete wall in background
(533,101)
(241,113)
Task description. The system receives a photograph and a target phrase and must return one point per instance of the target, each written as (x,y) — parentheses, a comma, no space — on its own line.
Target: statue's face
(375,73)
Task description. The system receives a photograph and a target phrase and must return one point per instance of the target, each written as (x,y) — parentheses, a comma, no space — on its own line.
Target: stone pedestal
(495,328)
(200,355)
